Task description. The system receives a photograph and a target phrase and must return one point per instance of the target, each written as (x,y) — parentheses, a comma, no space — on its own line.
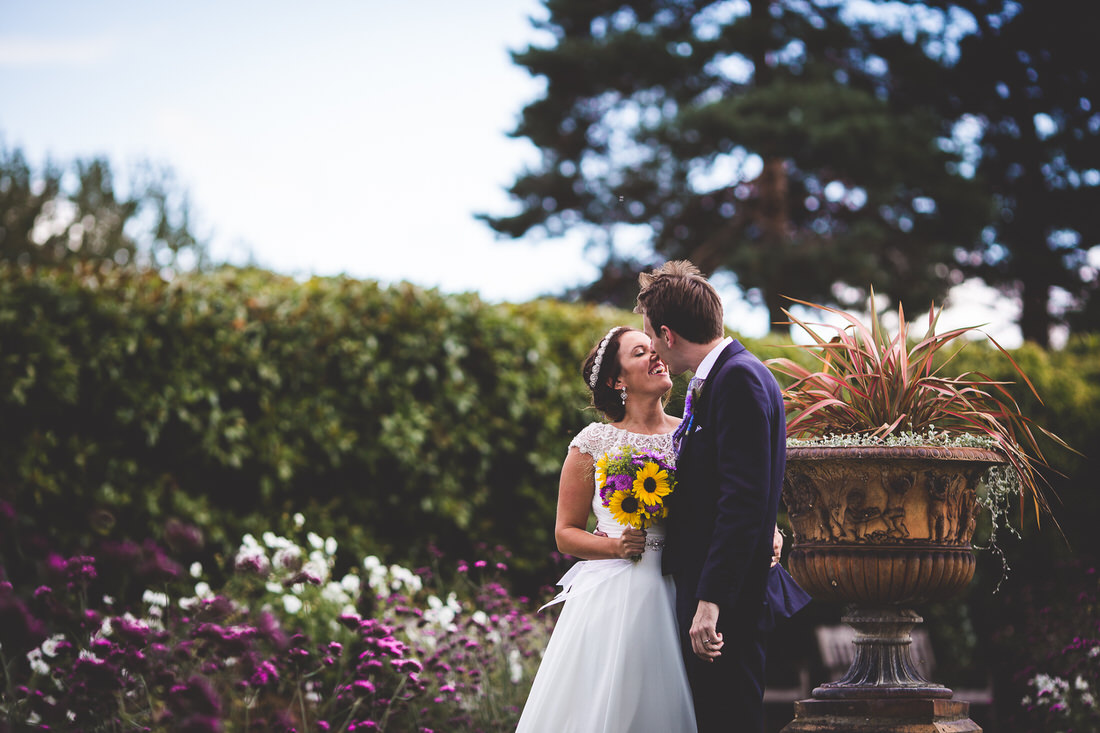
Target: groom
(732,453)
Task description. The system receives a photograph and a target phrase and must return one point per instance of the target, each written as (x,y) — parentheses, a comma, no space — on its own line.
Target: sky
(354,137)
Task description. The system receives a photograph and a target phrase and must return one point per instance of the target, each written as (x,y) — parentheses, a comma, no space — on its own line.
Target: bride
(613,662)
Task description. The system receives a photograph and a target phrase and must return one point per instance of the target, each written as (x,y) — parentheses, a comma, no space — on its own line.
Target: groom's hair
(678,296)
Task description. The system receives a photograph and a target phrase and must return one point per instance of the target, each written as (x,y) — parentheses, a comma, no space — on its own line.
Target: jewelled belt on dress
(655,543)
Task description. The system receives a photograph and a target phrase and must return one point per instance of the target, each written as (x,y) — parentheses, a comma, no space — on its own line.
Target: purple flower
(196,697)
(156,567)
(267,626)
(19,630)
(130,630)
(405,665)
(124,553)
(231,641)
(251,563)
(362,687)
(302,576)
(182,538)
(80,571)
(615,482)
(264,674)
(96,675)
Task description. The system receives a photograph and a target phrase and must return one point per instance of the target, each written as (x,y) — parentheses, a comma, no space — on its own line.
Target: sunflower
(651,483)
(626,509)
(601,470)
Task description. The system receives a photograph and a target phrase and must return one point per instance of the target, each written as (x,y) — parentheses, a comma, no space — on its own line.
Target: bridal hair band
(595,375)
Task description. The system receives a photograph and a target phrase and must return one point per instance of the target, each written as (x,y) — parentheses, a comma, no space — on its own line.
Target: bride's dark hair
(605,398)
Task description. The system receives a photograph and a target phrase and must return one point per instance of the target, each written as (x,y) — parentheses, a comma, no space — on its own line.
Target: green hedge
(391,416)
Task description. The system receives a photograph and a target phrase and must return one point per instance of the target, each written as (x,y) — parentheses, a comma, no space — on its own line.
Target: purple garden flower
(181,537)
(156,567)
(19,630)
(197,696)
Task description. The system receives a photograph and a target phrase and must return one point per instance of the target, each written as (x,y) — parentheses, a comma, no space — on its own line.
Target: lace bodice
(599,438)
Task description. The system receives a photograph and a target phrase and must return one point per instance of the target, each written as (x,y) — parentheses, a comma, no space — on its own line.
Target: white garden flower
(292,604)
(155,598)
(38,665)
(515,668)
(196,570)
(315,541)
(334,592)
(276,542)
(286,557)
(49,646)
(299,520)
(350,583)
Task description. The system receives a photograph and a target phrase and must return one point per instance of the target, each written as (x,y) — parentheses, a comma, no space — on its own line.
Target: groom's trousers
(729,692)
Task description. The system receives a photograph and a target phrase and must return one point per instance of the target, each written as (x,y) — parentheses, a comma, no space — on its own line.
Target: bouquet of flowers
(634,485)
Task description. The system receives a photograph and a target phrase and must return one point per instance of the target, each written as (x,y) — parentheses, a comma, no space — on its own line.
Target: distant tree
(62,215)
(790,142)
(1028,79)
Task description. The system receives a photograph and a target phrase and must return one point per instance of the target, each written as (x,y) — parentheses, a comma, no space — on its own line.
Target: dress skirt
(613,663)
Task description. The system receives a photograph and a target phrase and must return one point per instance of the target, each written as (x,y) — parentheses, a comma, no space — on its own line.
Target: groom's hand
(706,642)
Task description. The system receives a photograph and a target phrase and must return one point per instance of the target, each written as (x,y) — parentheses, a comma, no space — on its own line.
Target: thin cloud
(24,52)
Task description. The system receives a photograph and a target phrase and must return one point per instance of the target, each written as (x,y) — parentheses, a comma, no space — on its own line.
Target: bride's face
(640,369)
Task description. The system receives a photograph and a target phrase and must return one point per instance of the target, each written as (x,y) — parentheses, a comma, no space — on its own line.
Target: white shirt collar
(708,360)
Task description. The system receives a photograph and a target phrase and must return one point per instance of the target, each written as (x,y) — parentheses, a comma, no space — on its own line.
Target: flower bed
(283,645)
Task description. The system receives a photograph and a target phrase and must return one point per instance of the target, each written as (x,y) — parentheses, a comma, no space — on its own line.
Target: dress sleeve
(588,440)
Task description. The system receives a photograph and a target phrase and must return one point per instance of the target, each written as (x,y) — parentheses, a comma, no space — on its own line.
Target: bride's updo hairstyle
(603,359)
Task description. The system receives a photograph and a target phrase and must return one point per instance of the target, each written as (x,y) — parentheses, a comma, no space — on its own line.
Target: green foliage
(393,416)
(794,144)
(1028,78)
(60,215)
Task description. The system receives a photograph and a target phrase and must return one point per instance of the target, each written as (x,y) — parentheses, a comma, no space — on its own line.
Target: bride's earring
(623,390)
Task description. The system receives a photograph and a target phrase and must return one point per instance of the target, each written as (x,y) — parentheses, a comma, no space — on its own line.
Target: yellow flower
(601,470)
(651,483)
(626,509)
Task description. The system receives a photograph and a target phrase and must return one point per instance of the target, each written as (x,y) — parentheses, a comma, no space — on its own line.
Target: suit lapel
(702,404)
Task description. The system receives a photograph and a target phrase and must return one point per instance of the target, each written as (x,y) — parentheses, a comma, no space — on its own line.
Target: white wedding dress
(613,663)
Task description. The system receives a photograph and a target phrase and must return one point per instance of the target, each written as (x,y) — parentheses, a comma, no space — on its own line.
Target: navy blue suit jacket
(730,475)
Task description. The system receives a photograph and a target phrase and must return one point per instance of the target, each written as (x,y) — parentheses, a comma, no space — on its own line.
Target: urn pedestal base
(882,690)
(905,715)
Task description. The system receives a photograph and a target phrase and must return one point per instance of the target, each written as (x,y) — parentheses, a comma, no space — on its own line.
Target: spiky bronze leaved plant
(875,385)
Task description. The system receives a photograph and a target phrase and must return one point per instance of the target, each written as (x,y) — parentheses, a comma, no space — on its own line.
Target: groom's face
(660,345)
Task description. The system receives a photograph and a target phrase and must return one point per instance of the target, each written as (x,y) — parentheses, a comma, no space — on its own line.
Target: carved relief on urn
(883,524)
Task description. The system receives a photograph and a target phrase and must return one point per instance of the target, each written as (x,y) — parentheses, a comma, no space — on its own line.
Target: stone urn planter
(881,528)
(883,517)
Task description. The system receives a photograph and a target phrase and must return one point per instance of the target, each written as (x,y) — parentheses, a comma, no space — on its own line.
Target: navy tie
(694,386)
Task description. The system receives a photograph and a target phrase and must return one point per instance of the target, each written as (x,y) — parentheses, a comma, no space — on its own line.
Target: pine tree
(790,143)
(1028,81)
